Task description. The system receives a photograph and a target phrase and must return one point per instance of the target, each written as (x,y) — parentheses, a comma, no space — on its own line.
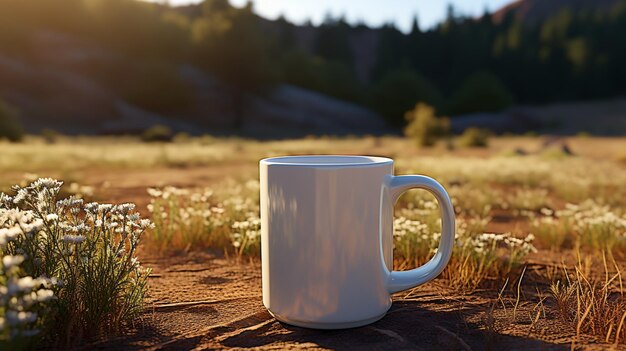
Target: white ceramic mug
(327,238)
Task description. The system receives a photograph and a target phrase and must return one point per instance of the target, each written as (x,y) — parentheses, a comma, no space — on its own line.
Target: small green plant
(157,133)
(10,127)
(423,126)
(87,250)
(474,137)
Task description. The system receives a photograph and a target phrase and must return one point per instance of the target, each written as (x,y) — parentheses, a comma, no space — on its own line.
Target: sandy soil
(201,301)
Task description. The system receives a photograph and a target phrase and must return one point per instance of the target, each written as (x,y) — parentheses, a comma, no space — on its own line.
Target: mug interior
(327,160)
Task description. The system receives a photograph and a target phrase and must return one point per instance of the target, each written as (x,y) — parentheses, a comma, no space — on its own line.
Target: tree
(230,43)
(480,92)
(399,90)
(333,41)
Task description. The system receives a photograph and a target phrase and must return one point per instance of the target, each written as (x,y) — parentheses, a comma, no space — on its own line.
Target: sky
(372,12)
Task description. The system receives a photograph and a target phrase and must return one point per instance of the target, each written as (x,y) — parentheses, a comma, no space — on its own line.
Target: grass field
(541,236)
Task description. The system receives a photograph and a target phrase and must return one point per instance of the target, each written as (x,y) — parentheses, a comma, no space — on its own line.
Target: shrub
(50,135)
(423,126)
(10,127)
(87,253)
(474,137)
(157,133)
(181,137)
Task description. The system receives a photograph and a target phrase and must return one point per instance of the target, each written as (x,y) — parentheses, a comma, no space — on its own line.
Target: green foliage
(570,55)
(424,126)
(333,41)
(333,78)
(399,90)
(301,69)
(157,133)
(10,127)
(85,252)
(474,137)
(482,91)
(231,43)
(155,87)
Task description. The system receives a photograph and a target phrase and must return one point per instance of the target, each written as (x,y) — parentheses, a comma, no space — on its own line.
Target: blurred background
(282,69)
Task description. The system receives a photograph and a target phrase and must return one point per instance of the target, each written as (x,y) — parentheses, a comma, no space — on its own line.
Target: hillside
(122,66)
(535,11)
(58,91)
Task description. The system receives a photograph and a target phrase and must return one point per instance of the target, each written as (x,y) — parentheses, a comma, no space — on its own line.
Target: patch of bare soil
(200,301)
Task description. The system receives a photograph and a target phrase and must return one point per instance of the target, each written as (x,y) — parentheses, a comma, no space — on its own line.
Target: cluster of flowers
(477,255)
(177,211)
(246,234)
(592,224)
(424,238)
(21,296)
(528,199)
(82,253)
(414,239)
(488,244)
(241,202)
(228,216)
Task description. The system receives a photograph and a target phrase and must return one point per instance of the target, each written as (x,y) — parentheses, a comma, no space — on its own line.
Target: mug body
(324,260)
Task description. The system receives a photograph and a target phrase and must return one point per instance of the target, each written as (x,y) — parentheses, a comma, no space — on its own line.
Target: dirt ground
(200,301)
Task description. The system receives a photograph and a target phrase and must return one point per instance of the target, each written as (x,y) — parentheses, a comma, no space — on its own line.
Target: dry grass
(592,306)
(574,206)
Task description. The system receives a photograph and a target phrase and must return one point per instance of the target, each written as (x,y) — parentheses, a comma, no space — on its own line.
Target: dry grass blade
(581,321)
(519,290)
(619,329)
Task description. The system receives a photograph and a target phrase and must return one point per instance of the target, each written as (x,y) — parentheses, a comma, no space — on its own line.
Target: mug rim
(327,161)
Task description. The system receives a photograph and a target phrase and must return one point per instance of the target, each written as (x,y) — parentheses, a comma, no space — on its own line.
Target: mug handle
(403,280)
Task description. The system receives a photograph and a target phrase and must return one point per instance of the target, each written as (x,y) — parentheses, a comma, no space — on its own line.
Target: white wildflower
(73,239)
(47,183)
(15,318)
(12,261)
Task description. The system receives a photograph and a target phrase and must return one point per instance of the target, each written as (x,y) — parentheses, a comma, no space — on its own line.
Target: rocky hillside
(57,89)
